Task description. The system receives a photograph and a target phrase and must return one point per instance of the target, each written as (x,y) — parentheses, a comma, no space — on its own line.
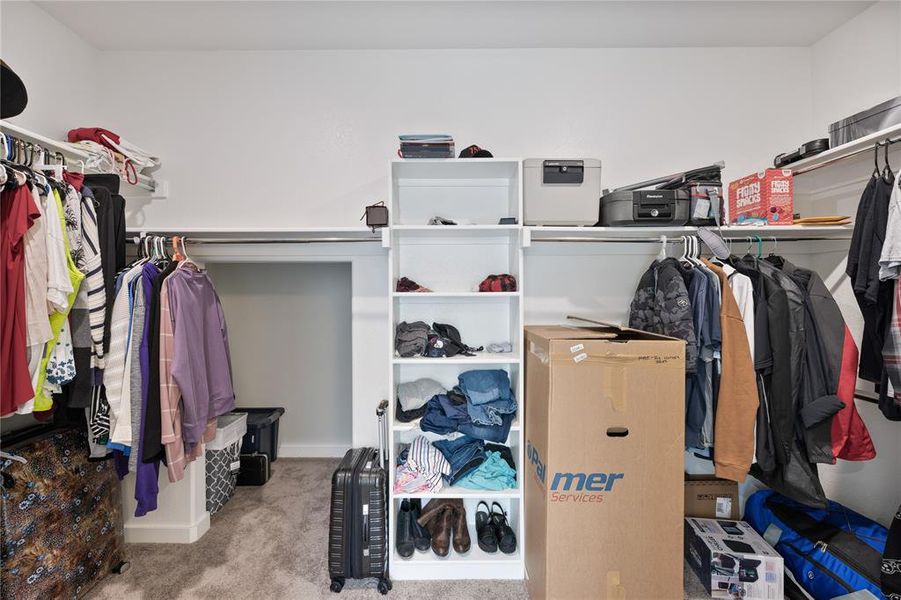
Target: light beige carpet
(270,543)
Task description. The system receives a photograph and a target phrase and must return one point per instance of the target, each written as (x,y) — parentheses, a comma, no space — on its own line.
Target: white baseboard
(311,451)
(138,533)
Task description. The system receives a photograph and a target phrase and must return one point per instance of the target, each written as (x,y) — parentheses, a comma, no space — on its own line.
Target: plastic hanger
(662,254)
(187,260)
(176,253)
(876,171)
(775,247)
(887,174)
(759,246)
(694,250)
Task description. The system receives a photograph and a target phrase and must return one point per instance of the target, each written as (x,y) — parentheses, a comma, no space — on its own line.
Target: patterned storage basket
(223,460)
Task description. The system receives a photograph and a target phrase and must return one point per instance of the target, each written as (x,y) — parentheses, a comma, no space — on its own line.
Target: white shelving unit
(452,260)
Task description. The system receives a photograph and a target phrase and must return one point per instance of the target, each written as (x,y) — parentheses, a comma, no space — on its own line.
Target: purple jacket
(201,365)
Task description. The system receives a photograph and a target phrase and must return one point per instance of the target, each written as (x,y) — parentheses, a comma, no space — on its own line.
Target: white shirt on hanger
(743,290)
(890,260)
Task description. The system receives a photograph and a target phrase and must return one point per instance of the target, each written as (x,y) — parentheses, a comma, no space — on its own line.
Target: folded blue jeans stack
(486,413)
(488,395)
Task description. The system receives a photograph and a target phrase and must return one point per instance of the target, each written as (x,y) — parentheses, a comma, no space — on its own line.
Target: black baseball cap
(13,96)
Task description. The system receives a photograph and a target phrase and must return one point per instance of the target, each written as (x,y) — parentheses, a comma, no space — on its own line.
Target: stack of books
(426,146)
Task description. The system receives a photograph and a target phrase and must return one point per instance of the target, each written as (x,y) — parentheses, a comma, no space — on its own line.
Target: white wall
(856,66)
(59,69)
(290,338)
(303,138)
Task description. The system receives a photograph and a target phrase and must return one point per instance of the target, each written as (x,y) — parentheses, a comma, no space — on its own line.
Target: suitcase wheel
(337,584)
(384,586)
(121,567)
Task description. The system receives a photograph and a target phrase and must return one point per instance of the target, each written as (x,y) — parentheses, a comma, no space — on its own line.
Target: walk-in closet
(541,300)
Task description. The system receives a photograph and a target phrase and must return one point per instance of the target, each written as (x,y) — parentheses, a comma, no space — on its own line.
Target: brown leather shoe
(439,527)
(433,509)
(461,529)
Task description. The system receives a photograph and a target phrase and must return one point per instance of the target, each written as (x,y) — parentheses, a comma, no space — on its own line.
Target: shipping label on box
(764,198)
(732,560)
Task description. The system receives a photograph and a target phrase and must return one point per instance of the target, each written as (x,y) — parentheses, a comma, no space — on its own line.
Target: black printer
(691,196)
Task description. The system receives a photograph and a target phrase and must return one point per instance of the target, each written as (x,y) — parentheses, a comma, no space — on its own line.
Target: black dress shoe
(485,529)
(404,539)
(421,538)
(505,534)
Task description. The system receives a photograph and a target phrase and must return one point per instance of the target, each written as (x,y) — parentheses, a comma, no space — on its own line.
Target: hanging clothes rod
(886,142)
(678,240)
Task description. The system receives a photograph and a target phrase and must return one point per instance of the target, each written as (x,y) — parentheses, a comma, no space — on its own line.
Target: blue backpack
(830,552)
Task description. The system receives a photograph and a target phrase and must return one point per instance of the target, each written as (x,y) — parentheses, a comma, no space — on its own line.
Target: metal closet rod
(678,240)
(885,142)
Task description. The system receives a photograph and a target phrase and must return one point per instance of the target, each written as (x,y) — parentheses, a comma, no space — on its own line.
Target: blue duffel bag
(830,552)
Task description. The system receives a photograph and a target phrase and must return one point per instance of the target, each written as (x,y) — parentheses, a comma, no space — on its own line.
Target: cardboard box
(709,497)
(604,425)
(732,560)
(764,198)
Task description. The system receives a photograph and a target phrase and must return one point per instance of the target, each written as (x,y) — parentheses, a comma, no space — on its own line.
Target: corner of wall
(59,69)
(857,65)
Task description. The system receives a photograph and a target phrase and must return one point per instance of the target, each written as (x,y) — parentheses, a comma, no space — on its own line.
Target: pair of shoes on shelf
(492,530)
(445,520)
(410,534)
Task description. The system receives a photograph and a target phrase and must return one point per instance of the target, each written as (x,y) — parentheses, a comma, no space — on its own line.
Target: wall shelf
(427,296)
(157,189)
(613,235)
(481,358)
(414,426)
(451,491)
(844,151)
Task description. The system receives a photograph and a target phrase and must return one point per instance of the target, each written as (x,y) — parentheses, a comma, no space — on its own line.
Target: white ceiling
(420,24)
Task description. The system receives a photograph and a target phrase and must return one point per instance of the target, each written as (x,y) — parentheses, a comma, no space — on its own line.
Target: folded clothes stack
(421,468)
(481,406)
(426,466)
(412,397)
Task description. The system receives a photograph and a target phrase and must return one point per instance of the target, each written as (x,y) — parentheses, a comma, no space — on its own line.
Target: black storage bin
(262,431)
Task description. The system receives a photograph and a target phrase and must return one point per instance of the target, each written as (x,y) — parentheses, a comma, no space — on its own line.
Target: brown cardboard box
(709,497)
(605,415)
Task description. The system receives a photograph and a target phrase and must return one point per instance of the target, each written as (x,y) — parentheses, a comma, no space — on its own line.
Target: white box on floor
(732,560)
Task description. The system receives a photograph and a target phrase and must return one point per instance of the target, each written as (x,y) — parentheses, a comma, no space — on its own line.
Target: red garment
(850,437)
(76,180)
(17,213)
(94,134)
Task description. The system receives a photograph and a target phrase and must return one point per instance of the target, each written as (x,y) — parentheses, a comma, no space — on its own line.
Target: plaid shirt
(891,351)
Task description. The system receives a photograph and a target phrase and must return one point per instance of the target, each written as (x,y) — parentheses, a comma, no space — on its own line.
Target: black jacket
(662,305)
(778,379)
(822,364)
(790,471)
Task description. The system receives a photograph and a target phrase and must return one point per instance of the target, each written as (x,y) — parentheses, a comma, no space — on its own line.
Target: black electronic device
(644,207)
(811,148)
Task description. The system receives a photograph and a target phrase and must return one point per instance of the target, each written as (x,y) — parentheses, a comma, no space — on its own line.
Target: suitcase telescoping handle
(381,412)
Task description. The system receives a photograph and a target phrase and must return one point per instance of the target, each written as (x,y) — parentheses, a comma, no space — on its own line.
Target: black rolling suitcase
(358,522)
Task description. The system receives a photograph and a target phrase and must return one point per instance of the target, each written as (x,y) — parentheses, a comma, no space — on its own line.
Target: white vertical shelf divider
(452,261)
